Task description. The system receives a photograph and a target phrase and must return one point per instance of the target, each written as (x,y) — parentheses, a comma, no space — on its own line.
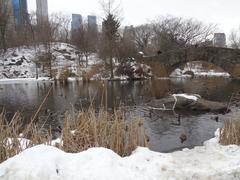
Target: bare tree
(61,22)
(4,20)
(143,36)
(46,33)
(173,32)
(126,47)
(234,39)
(85,38)
(24,32)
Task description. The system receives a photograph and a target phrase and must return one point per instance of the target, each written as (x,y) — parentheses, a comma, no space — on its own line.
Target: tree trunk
(111,67)
(50,66)
(36,71)
(3,39)
(86,60)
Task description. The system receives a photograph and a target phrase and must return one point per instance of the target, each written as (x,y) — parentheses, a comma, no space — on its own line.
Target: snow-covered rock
(133,70)
(211,161)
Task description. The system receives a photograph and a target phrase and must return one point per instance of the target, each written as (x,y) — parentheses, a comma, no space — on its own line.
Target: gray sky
(225,13)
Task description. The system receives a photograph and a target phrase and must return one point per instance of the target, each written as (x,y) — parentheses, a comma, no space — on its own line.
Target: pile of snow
(211,161)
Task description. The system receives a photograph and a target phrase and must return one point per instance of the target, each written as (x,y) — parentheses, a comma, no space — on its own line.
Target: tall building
(76,21)
(92,22)
(42,11)
(20,11)
(129,33)
(219,40)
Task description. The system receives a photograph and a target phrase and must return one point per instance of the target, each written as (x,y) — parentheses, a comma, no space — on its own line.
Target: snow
(210,161)
(213,74)
(197,70)
(56,142)
(192,97)
(20,63)
(23,143)
(179,73)
(17,80)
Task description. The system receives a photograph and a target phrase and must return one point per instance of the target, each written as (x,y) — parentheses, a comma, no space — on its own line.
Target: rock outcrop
(188,102)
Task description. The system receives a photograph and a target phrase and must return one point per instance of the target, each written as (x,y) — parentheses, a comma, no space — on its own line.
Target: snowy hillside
(21,62)
(211,161)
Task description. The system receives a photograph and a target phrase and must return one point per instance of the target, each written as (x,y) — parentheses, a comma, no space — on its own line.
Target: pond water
(162,128)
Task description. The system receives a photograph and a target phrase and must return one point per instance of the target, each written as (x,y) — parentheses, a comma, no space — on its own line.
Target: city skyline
(221,12)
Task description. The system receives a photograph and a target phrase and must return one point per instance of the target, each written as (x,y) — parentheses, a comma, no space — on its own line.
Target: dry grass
(230,133)
(12,134)
(103,129)
(8,131)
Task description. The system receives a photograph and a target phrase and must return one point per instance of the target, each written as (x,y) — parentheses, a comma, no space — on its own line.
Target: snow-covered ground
(210,161)
(20,63)
(198,70)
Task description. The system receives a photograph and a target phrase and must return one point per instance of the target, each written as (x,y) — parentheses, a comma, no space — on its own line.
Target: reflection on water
(163,128)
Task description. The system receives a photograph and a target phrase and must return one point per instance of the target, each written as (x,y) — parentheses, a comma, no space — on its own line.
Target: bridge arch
(202,66)
(228,59)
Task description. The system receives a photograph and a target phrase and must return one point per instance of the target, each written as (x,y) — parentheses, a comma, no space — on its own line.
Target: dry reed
(81,130)
(103,129)
(230,133)
(14,137)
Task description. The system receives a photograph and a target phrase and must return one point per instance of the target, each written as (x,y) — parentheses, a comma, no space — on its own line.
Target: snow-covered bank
(20,63)
(211,161)
(28,62)
(197,69)
(16,80)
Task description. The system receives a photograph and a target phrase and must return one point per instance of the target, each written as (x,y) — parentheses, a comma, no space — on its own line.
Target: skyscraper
(42,11)
(20,11)
(219,40)
(92,22)
(76,21)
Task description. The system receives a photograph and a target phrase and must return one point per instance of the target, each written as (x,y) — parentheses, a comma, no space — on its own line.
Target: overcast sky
(225,13)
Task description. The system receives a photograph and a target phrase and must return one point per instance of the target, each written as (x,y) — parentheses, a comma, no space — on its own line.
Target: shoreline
(71,79)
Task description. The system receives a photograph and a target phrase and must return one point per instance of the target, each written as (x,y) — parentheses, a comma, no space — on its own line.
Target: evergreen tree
(110,36)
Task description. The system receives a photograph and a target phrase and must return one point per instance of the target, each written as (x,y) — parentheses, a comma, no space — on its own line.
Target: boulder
(187,102)
(205,105)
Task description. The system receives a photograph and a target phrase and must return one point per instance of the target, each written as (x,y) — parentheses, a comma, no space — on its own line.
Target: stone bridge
(164,64)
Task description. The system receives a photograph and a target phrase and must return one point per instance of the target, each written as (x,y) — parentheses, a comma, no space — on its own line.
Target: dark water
(163,128)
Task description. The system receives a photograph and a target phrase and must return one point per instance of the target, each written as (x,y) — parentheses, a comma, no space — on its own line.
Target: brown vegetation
(81,130)
(230,133)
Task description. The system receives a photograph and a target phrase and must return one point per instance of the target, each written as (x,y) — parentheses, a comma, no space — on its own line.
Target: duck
(183,137)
